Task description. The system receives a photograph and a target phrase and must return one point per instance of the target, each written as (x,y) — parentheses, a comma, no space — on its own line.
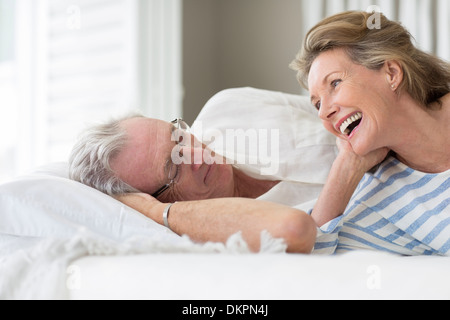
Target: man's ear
(394,73)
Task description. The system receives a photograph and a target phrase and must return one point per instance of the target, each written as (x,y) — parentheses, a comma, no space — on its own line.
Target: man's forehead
(143,131)
(139,157)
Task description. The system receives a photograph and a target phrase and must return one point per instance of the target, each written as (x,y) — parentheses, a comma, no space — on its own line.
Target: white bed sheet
(354,275)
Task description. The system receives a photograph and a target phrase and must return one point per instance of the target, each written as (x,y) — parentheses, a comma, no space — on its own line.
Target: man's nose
(197,156)
(193,157)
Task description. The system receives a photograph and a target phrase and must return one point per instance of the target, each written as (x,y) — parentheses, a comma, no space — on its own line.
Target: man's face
(149,147)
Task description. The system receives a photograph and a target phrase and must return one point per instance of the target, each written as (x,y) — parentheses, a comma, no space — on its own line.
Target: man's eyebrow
(172,129)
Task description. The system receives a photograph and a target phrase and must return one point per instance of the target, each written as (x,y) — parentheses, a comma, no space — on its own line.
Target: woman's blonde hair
(426,77)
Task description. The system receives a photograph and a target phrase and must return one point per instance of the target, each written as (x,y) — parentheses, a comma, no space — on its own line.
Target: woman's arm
(345,175)
(217,219)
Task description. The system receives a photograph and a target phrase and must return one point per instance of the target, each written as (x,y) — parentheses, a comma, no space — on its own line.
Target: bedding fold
(42,271)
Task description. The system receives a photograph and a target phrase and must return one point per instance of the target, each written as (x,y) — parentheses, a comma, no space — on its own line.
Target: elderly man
(163,169)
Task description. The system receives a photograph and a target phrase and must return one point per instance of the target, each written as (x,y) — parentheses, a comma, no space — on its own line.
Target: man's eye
(175,172)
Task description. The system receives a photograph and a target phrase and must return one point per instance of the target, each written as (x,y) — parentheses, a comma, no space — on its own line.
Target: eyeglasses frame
(172,181)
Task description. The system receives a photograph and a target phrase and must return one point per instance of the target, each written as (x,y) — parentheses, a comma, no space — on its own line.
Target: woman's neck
(248,187)
(425,138)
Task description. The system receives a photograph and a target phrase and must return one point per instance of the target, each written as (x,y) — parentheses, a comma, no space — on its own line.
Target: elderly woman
(161,163)
(376,91)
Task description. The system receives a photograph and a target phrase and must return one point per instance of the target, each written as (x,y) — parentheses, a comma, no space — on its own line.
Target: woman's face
(353,101)
(141,164)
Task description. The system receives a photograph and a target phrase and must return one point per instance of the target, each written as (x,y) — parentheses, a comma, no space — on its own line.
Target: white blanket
(43,271)
(354,275)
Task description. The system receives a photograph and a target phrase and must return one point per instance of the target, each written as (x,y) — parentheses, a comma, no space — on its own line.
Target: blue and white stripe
(396,209)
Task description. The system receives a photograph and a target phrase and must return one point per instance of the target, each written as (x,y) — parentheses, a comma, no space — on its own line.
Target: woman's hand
(363,163)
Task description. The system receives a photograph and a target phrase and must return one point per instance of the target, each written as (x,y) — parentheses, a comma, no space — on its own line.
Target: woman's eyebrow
(324,81)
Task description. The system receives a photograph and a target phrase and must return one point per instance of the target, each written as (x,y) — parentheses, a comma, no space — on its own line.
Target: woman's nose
(327,110)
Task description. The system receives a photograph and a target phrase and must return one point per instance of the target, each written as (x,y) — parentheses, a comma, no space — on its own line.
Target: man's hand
(144,203)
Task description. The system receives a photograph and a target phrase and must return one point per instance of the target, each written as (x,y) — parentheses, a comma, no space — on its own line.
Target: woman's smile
(349,124)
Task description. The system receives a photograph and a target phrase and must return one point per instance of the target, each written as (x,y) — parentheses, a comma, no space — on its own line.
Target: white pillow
(284,128)
(46,204)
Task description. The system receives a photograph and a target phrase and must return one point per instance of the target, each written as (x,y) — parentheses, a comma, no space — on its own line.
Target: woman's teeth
(346,127)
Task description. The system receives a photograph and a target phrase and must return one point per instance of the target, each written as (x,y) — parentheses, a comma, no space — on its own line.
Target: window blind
(9,122)
(80,62)
(91,67)
(427,20)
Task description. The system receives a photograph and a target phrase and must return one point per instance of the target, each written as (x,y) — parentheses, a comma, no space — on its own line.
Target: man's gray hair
(90,159)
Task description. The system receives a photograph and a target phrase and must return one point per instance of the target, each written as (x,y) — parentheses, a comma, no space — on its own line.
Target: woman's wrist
(346,172)
(350,164)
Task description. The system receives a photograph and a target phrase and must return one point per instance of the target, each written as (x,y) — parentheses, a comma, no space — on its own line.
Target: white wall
(233,43)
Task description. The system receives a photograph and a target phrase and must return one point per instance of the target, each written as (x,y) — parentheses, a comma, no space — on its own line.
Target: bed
(63,240)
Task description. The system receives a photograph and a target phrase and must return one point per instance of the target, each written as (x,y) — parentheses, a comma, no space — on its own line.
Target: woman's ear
(394,73)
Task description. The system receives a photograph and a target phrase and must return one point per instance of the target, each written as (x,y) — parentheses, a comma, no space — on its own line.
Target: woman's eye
(317,105)
(335,83)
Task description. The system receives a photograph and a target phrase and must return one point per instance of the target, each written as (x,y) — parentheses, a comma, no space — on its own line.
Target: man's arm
(346,172)
(217,219)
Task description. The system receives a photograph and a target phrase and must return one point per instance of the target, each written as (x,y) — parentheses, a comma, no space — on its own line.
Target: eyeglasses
(179,135)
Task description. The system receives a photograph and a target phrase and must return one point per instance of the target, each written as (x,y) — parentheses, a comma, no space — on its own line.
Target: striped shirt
(396,209)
